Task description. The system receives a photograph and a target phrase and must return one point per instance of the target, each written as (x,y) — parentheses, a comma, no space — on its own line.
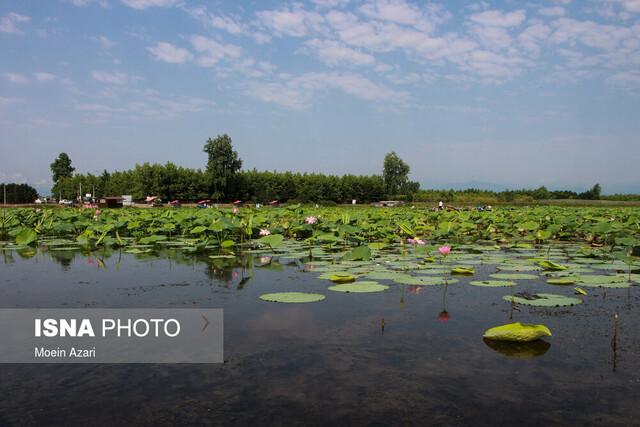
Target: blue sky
(508,92)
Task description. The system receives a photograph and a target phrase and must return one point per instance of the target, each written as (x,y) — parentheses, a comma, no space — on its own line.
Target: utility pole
(4,187)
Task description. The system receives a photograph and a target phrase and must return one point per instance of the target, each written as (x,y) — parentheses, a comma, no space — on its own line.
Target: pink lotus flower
(235,210)
(411,241)
(311,220)
(264,232)
(97,211)
(415,241)
(444,250)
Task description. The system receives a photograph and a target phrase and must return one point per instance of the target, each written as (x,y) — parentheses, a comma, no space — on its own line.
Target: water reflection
(519,350)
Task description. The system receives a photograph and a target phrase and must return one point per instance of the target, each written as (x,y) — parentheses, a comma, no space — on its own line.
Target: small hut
(110,202)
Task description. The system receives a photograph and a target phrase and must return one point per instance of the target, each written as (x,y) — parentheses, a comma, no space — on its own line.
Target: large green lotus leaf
(518,350)
(386,275)
(562,281)
(552,266)
(328,274)
(601,279)
(434,271)
(292,297)
(606,285)
(424,281)
(342,278)
(543,300)
(492,283)
(516,267)
(359,287)
(26,236)
(513,276)
(615,266)
(518,332)
(273,240)
(464,271)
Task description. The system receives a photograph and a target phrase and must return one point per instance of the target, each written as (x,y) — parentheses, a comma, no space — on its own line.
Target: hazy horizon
(500,93)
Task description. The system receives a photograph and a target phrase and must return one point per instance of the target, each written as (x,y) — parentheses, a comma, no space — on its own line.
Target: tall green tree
(61,167)
(223,164)
(395,173)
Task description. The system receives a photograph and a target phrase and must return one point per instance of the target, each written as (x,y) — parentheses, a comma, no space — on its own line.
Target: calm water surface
(327,362)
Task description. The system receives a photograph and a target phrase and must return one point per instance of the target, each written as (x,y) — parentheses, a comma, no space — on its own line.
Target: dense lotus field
(233,228)
(364,250)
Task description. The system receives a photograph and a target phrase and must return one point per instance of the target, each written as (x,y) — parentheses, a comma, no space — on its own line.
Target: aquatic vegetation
(464,271)
(359,287)
(342,278)
(518,332)
(492,283)
(542,300)
(292,297)
(347,226)
(562,281)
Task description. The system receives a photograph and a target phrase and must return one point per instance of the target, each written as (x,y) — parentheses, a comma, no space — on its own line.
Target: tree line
(224,180)
(17,193)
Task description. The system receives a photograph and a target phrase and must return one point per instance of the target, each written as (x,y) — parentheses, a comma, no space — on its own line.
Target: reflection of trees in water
(64,258)
(7,257)
(225,270)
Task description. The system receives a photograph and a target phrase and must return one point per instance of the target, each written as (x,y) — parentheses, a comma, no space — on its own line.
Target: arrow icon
(205,324)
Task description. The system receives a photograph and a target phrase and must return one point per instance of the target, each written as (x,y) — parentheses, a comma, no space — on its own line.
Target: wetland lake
(410,354)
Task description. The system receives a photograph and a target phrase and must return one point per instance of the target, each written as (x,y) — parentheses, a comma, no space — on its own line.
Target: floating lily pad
(465,271)
(386,275)
(342,278)
(509,267)
(513,276)
(292,297)
(601,279)
(518,332)
(543,300)
(327,275)
(424,281)
(359,287)
(552,266)
(492,283)
(562,281)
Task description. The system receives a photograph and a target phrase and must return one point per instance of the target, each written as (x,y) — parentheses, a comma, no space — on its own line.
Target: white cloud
(625,78)
(16,78)
(552,11)
(104,42)
(329,4)
(630,5)
(295,22)
(492,37)
(211,51)
(146,105)
(84,3)
(297,92)
(9,23)
(115,78)
(590,33)
(334,53)
(533,36)
(497,18)
(169,53)
(404,13)
(44,77)
(144,4)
